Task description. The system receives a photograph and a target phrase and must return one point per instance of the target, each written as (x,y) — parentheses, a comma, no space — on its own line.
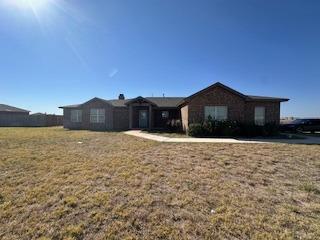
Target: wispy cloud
(113,72)
(75,51)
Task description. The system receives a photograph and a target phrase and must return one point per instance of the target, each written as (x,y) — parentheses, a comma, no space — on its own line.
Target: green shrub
(271,129)
(196,130)
(214,128)
(250,130)
(174,125)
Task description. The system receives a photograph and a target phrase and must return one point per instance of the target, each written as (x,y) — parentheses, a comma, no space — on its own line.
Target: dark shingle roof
(158,101)
(37,114)
(7,108)
(165,101)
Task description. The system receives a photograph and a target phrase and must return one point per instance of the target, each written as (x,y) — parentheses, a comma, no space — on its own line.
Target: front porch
(144,114)
(140,116)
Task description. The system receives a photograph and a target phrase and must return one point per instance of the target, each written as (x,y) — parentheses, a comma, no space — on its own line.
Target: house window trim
(263,120)
(97,115)
(216,107)
(77,118)
(166,116)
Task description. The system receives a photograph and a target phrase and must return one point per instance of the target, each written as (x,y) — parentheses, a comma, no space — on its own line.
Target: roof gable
(87,102)
(96,99)
(245,97)
(215,85)
(140,100)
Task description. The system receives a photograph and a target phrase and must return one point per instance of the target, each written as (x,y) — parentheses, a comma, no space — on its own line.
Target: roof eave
(62,107)
(182,103)
(15,111)
(267,100)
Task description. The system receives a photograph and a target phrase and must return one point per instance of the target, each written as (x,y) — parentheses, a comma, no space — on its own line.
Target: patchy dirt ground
(58,184)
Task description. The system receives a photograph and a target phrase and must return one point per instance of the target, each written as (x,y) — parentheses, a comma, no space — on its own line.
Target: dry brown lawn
(113,186)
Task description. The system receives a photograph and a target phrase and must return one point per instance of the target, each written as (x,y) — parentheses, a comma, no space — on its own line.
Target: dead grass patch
(113,186)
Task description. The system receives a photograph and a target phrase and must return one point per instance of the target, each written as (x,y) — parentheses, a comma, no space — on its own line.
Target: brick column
(130,116)
(150,116)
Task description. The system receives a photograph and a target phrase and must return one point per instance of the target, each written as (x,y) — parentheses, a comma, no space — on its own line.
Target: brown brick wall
(67,120)
(238,108)
(216,97)
(86,124)
(108,125)
(272,114)
(120,118)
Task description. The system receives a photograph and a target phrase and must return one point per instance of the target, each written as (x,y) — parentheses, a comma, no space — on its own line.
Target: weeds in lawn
(311,188)
(73,232)
(1,199)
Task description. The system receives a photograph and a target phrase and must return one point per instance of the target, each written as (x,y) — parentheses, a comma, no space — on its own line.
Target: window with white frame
(259,115)
(97,115)
(219,113)
(76,115)
(165,114)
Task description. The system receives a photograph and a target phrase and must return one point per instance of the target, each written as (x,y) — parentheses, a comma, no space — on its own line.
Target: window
(259,116)
(165,114)
(97,115)
(219,113)
(76,116)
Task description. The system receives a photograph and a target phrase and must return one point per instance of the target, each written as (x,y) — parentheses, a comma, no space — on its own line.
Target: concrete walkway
(138,133)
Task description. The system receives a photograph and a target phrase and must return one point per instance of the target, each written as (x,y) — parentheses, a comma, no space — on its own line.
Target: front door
(143,119)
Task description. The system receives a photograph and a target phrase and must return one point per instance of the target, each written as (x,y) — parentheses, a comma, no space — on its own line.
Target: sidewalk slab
(138,133)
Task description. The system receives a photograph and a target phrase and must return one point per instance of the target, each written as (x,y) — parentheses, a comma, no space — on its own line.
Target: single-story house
(218,101)
(12,116)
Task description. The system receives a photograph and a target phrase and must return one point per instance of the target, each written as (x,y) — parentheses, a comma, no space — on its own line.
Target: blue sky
(68,51)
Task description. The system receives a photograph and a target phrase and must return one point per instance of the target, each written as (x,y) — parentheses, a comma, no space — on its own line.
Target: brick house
(218,101)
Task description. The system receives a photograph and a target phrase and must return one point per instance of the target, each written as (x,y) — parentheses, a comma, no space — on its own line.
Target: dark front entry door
(143,119)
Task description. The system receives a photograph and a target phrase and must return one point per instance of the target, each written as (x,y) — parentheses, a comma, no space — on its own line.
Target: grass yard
(58,184)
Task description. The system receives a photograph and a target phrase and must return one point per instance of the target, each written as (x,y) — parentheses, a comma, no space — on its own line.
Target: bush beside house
(212,128)
(174,125)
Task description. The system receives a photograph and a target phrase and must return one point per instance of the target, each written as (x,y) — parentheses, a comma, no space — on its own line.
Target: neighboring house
(17,117)
(12,116)
(218,101)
